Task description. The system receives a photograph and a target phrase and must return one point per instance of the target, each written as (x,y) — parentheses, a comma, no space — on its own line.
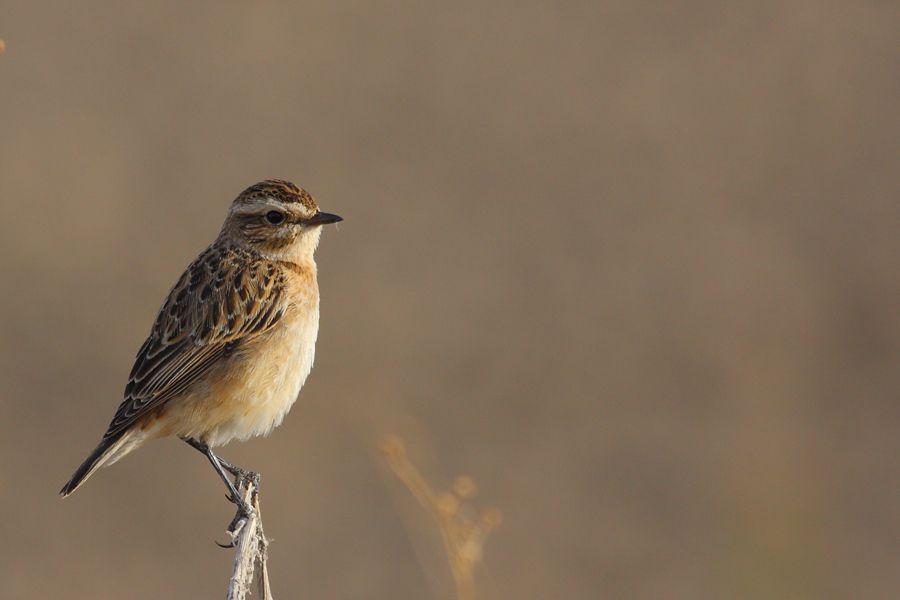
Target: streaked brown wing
(224,299)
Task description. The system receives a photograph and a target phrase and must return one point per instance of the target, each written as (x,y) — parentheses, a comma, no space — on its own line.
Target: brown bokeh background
(631,266)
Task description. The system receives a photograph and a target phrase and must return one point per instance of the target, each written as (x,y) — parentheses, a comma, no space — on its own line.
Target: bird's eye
(274,217)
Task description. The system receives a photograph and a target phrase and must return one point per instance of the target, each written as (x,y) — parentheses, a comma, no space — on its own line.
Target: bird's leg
(221,466)
(236,471)
(235,497)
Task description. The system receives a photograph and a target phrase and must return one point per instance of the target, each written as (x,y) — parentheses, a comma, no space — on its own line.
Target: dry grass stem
(250,546)
(463,531)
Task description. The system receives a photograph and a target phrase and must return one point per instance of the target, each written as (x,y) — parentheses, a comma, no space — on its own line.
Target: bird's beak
(323,218)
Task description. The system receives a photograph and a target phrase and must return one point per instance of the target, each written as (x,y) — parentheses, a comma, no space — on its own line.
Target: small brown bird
(234,342)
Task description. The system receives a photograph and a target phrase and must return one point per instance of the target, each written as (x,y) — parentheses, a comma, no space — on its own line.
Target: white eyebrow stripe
(256,206)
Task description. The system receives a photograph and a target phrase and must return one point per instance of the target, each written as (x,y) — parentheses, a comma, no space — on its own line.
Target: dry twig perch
(250,544)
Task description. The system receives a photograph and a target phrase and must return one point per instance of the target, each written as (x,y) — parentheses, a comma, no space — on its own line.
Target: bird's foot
(244,510)
(236,472)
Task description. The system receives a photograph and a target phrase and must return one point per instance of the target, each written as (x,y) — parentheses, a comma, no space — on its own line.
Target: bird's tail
(109,451)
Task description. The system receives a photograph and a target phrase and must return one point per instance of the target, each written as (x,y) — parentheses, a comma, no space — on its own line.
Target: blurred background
(632,267)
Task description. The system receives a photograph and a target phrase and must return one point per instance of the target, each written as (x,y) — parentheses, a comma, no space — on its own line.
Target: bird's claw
(244,510)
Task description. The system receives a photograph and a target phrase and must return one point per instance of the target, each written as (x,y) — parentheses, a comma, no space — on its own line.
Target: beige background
(631,266)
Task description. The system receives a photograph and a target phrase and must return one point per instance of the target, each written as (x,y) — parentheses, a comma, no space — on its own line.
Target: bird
(234,341)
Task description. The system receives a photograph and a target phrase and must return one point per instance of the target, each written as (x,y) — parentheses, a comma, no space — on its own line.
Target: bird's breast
(264,380)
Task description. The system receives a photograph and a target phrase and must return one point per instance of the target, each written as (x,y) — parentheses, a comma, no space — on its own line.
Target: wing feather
(225,298)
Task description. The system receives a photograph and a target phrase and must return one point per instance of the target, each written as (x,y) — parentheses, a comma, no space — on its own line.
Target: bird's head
(277,219)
